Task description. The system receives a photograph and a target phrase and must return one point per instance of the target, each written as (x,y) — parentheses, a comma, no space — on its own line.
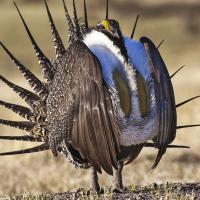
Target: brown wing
(84,102)
(164,98)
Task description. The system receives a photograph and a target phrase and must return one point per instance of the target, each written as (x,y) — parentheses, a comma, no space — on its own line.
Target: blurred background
(175,21)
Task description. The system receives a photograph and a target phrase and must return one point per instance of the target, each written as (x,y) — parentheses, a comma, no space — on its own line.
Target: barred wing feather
(86,119)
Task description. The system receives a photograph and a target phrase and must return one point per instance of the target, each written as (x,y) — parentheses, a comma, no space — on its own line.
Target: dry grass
(155,192)
(42,172)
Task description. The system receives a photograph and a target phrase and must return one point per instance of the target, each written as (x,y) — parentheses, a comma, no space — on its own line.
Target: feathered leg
(94,180)
(117,178)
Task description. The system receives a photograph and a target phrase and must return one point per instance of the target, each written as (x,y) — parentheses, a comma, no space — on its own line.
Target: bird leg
(117,178)
(94,180)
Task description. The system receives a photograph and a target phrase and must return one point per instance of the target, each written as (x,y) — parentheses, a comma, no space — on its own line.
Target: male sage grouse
(105,97)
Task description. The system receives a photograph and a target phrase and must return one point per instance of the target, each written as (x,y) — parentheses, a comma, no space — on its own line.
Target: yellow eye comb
(106,25)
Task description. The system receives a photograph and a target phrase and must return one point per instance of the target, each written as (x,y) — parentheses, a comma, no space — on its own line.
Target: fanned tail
(36,125)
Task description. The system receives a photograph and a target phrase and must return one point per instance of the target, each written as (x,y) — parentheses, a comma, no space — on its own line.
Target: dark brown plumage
(165,98)
(94,132)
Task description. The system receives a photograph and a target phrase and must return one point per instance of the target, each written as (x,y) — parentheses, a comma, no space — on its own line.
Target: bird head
(111,28)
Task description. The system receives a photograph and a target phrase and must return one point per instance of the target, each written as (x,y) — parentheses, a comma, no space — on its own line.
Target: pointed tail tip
(134,27)
(2,45)
(107,9)
(42,147)
(187,101)
(15,4)
(65,6)
(45,2)
(188,126)
(177,71)
(25,138)
(160,44)
(85,15)
(160,154)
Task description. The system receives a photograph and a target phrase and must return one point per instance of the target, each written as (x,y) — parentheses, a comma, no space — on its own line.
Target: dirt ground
(175,191)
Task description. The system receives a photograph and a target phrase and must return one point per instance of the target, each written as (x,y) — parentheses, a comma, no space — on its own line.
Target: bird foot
(95,191)
(118,190)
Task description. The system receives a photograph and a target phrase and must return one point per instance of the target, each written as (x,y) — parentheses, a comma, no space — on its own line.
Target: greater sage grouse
(105,96)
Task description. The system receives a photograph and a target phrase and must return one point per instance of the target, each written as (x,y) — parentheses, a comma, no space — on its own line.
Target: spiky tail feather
(86,17)
(42,147)
(26,138)
(59,47)
(70,25)
(168,146)
(45,63)
(179,69)
(134,27)
(187,101)
(26,95)
(34,82)
(23,125)
(76,22)
(20,110)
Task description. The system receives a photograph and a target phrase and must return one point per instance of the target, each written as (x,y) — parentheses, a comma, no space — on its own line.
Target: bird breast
(123,82)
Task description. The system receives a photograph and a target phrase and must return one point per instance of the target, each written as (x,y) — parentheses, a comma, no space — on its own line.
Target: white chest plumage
(134,129)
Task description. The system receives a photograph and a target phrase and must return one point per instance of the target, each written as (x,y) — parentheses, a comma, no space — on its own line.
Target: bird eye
(100,27)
